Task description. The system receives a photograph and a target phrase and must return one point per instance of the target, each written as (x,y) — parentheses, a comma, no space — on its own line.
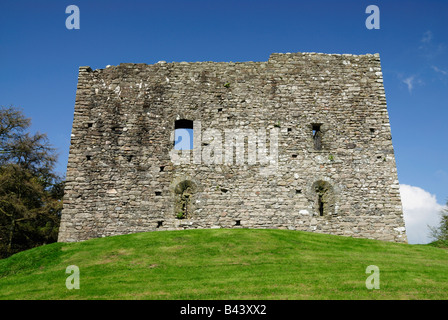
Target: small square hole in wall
(158,193)
(89,125)
(238,222)
(162,168)
(289,129)
(159,224)
(372,130)
(294,156)
(298,191)
(129,158)
(117,130)
(88,158)
(219,109)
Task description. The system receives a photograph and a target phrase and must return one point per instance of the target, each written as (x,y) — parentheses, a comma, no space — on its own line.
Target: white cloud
(441,174)
(439,70)
(427,37)
(420,209)
(409,81)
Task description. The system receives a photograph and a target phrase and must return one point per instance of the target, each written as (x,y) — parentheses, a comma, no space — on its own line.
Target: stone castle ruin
(301,142)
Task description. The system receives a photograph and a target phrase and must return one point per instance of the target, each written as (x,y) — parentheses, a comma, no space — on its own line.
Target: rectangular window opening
(183,134)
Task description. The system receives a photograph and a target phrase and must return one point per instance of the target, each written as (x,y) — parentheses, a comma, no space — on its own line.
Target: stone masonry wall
(121,178)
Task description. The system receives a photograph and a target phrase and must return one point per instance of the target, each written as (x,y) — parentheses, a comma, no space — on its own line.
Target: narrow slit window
(183,135)
(317,136)
(320,204)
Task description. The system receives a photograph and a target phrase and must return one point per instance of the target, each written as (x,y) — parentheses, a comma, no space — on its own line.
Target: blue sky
(39,58)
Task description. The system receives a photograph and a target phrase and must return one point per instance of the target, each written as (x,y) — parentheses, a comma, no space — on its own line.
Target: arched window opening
(324,198)
(184,192)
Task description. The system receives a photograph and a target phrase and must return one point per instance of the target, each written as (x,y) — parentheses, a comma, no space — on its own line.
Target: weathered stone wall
(121,178)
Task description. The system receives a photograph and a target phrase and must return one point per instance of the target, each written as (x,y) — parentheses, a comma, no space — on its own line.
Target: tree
(440,233)
(30,192)
(31,152)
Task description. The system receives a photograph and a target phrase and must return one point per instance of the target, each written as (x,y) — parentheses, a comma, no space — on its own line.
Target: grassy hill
(227,264)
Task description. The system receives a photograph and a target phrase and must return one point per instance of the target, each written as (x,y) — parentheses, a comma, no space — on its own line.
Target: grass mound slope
(227,264)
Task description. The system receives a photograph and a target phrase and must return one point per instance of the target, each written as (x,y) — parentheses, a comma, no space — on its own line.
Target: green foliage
(440,244)
(227,85)
(30,152)
(440,233)
(30,192)
(180,215)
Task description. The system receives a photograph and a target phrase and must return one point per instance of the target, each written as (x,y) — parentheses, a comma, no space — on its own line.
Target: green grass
(227,264)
